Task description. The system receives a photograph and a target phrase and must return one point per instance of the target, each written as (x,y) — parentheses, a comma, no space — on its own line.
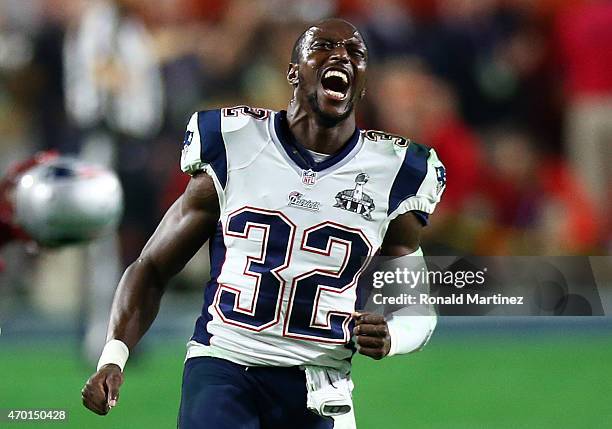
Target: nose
(339,53)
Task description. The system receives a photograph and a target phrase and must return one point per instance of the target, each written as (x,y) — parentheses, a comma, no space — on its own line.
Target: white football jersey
(294,235)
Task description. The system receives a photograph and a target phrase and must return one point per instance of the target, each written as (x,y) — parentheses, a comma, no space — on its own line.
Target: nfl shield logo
(309,178)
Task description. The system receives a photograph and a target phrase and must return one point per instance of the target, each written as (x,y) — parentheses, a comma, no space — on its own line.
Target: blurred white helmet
(66,201)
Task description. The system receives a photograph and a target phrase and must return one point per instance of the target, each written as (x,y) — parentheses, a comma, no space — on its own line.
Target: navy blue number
(304,303)
(264,309)
(254,112)
(303,312)
(382,136)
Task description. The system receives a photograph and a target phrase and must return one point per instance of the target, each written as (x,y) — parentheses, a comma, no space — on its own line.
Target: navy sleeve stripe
(212,146)
(410,175)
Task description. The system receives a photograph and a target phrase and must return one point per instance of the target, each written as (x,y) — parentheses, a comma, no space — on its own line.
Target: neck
(314,136)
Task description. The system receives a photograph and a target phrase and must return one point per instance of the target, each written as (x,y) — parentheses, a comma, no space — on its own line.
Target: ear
(292,74)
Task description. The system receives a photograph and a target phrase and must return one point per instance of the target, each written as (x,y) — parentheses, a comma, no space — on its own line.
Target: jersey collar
(300,155)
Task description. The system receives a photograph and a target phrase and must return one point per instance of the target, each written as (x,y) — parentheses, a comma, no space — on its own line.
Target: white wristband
(410,333)
(116,352)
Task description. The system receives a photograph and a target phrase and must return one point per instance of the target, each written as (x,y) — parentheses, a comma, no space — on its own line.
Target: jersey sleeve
(419,183)
(204,147)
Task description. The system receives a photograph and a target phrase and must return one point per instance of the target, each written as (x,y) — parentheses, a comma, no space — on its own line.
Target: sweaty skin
(331,44)
(318,122)
(185,228)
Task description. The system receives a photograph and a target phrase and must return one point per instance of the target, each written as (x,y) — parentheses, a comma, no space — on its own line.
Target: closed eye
(323,45)
(358,52)
(356,49)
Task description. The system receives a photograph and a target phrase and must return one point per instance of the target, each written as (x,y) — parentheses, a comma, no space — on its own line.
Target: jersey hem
(196,349)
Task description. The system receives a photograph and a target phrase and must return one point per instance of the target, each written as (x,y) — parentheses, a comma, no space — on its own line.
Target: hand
(101,391)
(372,335)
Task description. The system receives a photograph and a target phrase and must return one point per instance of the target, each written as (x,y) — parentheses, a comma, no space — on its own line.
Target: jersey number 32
(304,318)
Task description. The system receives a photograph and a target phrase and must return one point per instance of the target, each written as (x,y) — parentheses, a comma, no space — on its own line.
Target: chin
(329,118)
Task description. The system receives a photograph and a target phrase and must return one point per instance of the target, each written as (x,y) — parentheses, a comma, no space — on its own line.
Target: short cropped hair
(297,47)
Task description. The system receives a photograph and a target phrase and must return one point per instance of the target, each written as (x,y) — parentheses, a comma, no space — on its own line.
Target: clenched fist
(101,391)
(372,335)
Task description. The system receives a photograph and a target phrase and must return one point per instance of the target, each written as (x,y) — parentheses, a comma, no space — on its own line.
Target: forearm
(411,327)
(136,302)
(182,232)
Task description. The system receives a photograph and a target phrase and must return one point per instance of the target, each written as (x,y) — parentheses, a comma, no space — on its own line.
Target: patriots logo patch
(441,176)
(188,138)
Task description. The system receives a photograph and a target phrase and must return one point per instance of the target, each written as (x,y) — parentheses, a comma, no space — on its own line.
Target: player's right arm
(185,228)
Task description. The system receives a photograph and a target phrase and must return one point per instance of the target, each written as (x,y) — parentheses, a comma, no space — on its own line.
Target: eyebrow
(353,39)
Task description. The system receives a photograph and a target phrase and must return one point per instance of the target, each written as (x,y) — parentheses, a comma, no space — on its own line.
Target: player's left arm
(416,191)
(373,333)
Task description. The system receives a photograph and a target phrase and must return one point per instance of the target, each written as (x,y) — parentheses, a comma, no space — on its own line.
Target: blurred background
(514,95)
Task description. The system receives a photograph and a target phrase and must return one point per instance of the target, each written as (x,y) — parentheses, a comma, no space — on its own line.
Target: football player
(293,204)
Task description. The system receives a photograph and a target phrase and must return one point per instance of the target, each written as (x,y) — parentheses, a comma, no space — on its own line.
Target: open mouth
(336,84)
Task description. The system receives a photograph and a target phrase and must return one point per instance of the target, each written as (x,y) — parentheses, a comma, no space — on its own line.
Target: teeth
(340,74)
(335,94)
